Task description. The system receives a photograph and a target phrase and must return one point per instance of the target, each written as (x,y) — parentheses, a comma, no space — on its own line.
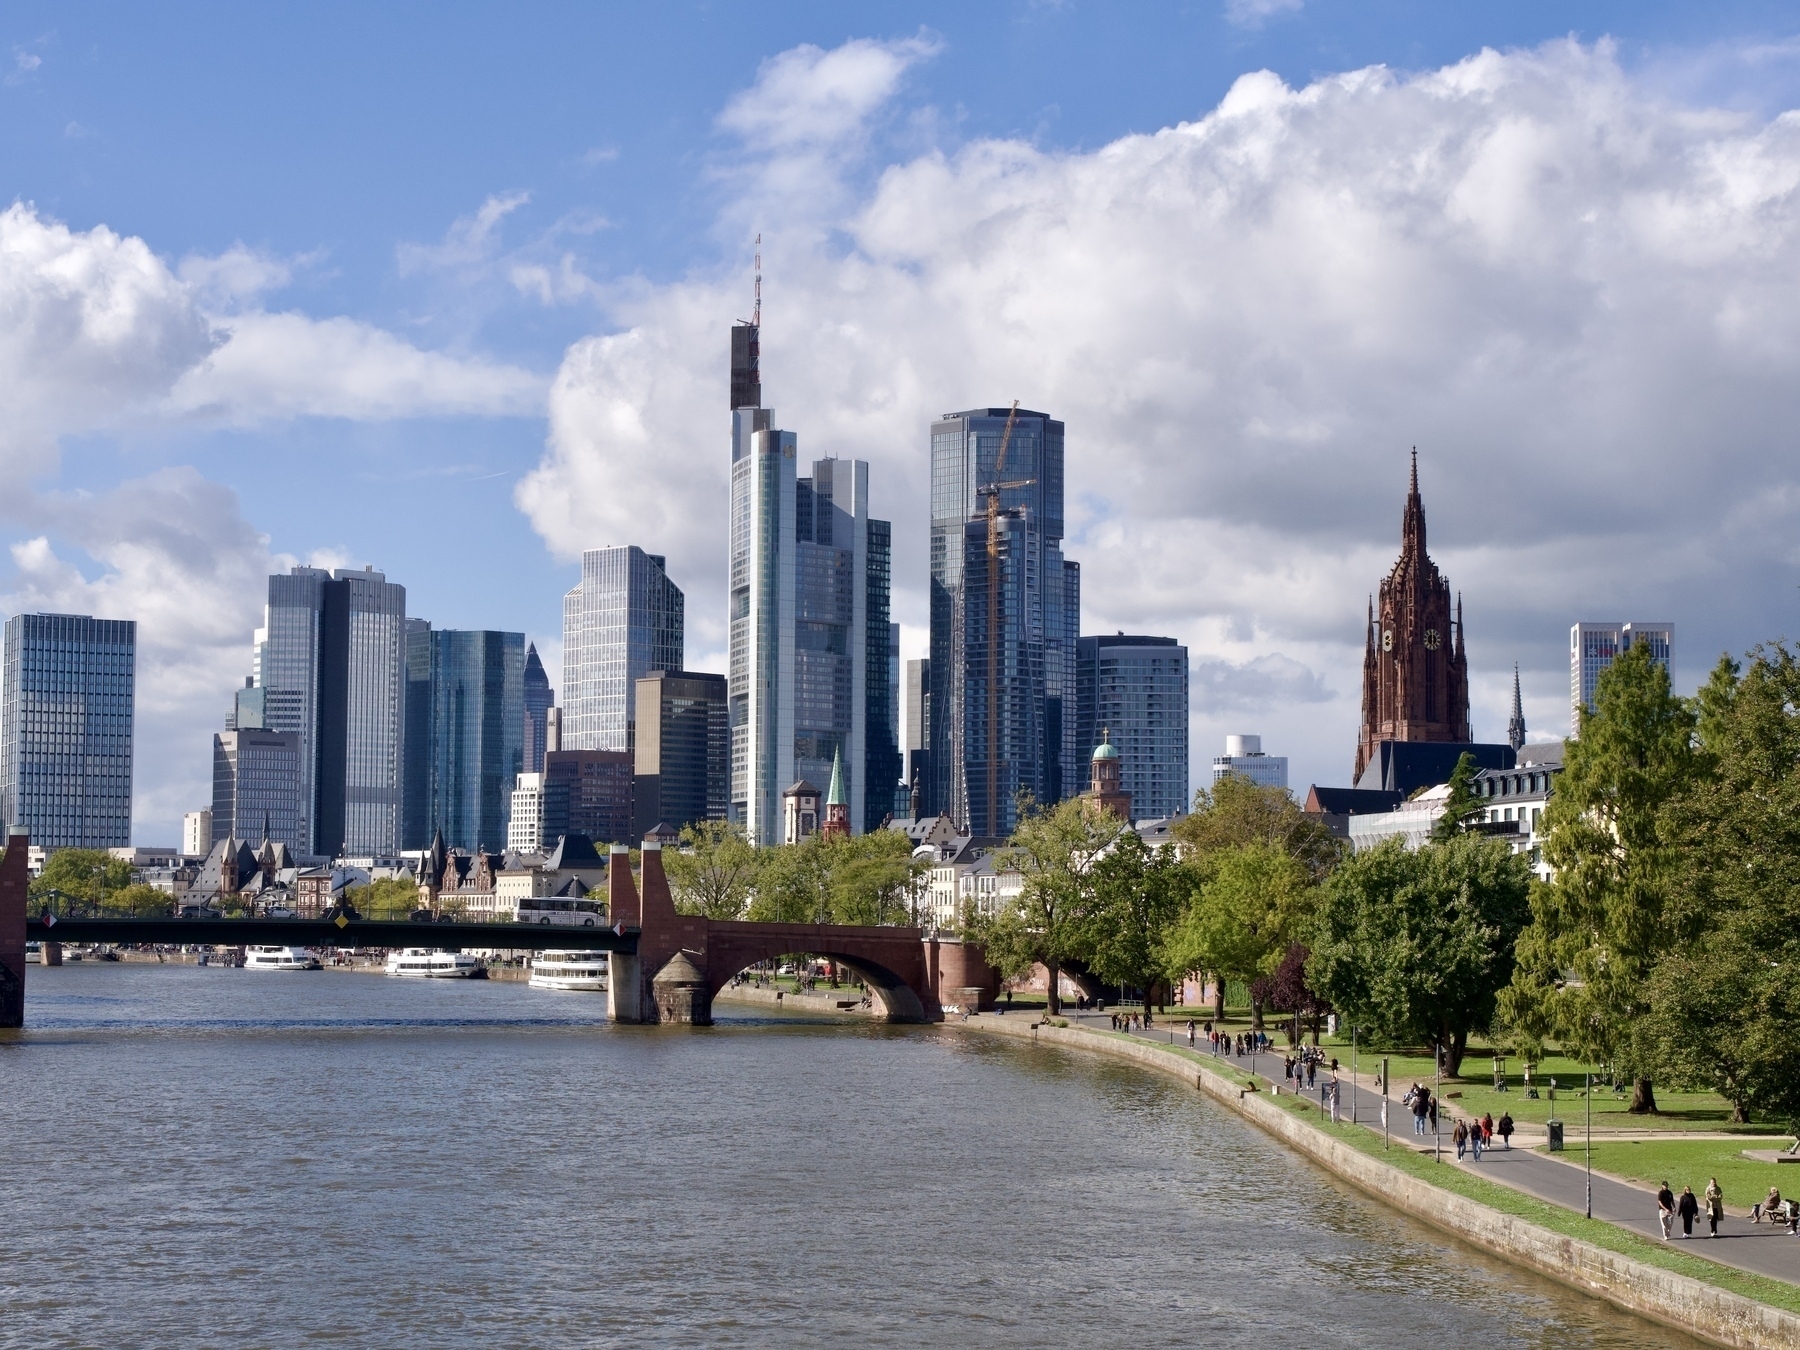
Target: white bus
(557,909)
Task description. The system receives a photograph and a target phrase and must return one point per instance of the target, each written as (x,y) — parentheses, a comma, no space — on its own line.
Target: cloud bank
(1579,299)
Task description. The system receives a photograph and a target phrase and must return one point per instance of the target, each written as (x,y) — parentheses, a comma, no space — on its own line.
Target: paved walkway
(1763,1248)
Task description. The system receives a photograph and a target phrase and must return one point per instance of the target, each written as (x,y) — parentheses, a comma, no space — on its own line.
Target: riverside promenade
(1764,1249)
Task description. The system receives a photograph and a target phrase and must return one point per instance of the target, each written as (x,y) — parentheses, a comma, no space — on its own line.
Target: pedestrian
(1715,1206)
(1334,1099)
(1506,1129)
(1688,1208)
(1460,1137)
(1475,1140)
(1115,1018)
(1487,1130)
(1312,1068)
(1421,1107)
(1287,1069)
(1190,1033)
(1665,1210)
(1433,1108)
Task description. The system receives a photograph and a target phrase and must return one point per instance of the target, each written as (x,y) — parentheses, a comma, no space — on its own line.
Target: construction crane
(992,492)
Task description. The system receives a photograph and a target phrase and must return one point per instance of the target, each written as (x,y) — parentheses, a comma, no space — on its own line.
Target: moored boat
(570,970)
(422,963)
(280,958)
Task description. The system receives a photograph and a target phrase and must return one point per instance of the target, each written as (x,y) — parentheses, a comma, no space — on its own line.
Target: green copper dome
(1106,749)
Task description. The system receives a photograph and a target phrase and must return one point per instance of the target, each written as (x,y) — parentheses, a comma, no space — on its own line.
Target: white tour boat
(585,971)
(280,958)
(422,963)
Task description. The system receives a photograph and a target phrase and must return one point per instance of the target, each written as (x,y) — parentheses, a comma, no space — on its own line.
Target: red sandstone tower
(1105,790)
(1415,672)
(837,805)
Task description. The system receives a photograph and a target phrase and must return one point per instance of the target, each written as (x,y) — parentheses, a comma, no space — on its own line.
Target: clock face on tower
(1387,639)
(1431,639)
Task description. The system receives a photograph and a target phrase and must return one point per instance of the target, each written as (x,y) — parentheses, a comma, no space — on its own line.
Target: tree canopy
(1238,812)
(1252,900)
(88,877)
(1138,895)
(714,871)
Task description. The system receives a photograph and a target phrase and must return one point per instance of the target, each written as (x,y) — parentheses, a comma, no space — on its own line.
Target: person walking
(1475,1140)
(1190,1033)
(1460,1137)
(1665,1211)
(1506,1129)
(1421,1108)
(1335,1099)
(1688,1208)
(1715,1206)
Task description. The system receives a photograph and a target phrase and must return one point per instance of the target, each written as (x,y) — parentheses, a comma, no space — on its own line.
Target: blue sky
(406,234)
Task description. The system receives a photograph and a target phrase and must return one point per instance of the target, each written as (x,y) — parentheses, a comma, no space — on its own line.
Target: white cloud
(1255,13)
(1579,298)
(470,241)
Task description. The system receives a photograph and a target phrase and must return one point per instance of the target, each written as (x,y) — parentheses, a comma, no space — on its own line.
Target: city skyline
(516,332)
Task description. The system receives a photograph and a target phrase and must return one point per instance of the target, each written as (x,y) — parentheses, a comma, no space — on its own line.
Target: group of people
(1686,1208)
(1479,1134)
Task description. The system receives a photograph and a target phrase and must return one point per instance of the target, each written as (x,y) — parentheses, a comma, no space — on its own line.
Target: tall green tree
(1138,896)
(1254,899)
(1724,1000)
(87,877)
(1056,850)
(1462,805)
(794,883)
(714,871)
(1415,946)
(1613,909)
(386,898)
(873,879)
(1238,812)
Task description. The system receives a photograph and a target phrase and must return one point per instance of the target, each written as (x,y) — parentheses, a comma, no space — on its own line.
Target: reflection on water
(234,1157)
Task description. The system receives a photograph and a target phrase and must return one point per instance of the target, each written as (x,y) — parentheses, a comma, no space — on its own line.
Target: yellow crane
(992,492)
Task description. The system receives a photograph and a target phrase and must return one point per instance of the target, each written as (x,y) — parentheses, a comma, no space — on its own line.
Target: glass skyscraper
(67,691)
(808,610)
(1002,683)
(624,620)
(332,656)
(416,820)
(477,734)
(1133,691)
(539,697)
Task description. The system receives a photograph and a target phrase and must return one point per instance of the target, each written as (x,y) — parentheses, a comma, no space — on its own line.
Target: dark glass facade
(67,699)
(1134,690)
(683,754)
(539,697)
(881,732)
(417,825)
(477,734)
(256,786)
(587,792)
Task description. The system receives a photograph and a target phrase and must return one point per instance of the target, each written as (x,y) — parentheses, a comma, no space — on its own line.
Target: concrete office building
(1594,646)
(331,658)
(256,786)
(525,827)
(196,833)
(1135,689)
(1002,718)
(67,699)
(682,762)
(808,613)
(1244,757)
(623,620)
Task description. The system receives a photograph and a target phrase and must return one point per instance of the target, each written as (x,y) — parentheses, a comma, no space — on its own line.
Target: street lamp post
(1437,1109)
(1587,1146)
(1384,1101)
(1353,1073)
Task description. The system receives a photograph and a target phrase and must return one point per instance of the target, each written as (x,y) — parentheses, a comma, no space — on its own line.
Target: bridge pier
(14,880)
(624,987)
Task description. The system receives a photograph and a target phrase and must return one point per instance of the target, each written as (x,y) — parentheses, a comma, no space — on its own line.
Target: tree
(1416,946)
(793,883)
(86,876)
(1462,805)
(1138,896)
(1289,992)
(1238,812)
(1055,849)
(1599,928)
(388,898)
(872,878)
(141,902)
(714,872)
(1255,898)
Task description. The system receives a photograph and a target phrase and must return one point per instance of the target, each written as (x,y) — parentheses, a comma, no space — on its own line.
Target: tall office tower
(881,715)
(682,770)
(538,698)
(67,686)
(1136,688)
(477,734)
(332,656)
(587,792)
(808,605)
(624,620)
(1244,757)
(1002,694)
(1593,647)
(417,823)
(196,833)
(918,738)
(256,786)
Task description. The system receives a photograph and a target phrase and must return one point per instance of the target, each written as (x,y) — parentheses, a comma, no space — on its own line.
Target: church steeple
(1515,729)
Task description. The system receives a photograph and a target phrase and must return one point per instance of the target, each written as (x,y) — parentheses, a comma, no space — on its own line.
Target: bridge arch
(899,1000)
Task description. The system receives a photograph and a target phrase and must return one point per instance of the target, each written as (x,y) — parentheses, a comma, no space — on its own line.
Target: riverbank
(1720,1304)
(836,1002)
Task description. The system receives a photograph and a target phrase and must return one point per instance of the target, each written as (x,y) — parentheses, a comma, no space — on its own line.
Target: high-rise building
(67,695)
(881,716)
(808,611)
(622,621)
(1415,671)
(196,833)
(1005,615)
(1244,757)
(682,770)
(477,734)
(525,829)
(587,792)
(256,786)
(539,697)
(417,822)
(1136,689)
(1594,646)
(918,738)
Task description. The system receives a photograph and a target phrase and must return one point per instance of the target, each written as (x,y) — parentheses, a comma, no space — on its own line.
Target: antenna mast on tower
(756,314)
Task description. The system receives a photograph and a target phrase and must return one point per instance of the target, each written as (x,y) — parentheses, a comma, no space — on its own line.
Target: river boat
(422,963)
(280,958)
(34,953)
(583,972)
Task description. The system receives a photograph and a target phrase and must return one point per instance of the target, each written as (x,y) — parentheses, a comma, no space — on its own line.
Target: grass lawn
(1689,1162)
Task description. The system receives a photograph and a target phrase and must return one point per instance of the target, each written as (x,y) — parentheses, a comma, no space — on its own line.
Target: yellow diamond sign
(341,921)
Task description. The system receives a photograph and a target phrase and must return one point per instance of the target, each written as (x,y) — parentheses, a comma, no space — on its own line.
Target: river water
(230,1158)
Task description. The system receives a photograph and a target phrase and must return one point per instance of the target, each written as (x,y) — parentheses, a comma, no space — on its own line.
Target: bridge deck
(330,933)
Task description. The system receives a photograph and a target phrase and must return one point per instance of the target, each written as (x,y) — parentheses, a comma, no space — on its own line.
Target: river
(224,1157)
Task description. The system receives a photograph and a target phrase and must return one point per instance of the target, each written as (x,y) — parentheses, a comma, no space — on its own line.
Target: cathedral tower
(1415,672)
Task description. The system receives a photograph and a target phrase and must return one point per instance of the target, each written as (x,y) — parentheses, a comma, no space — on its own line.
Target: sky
(444,290)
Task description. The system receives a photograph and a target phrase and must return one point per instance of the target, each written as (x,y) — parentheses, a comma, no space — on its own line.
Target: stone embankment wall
(824,1001)
(1701,1309)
